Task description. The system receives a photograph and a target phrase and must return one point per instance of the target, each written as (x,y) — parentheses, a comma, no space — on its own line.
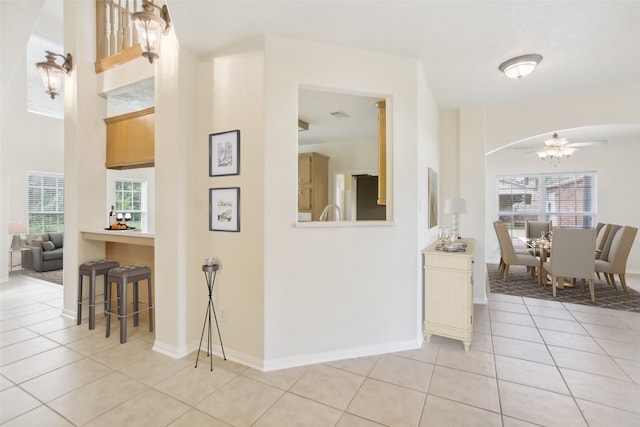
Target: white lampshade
(17,228)
(455,206)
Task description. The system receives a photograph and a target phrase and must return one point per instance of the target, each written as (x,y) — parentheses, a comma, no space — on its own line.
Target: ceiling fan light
(521,66)
(543,154)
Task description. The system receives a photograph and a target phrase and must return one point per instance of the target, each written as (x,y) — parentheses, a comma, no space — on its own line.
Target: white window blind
(38,100)
(46,202)
(566,199)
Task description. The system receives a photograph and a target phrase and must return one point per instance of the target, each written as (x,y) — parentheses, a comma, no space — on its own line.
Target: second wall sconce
(150,28)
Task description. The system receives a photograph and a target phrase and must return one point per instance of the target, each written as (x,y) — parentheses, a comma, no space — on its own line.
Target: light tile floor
(532,362)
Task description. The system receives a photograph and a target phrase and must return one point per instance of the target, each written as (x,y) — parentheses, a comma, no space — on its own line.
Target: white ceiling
(460,44)
(585,44)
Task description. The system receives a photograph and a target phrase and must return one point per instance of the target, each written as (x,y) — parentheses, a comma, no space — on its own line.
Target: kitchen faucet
(325,211)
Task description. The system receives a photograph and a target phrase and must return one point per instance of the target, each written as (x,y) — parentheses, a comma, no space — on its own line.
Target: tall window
(46,202)
(38,100)
(566,199)
(131,198)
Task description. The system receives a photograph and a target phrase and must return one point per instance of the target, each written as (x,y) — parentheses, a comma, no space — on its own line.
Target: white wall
(231,96)
(346,291)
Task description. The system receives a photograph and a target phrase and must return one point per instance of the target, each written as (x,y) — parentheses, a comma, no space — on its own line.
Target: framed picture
(224,209)
(224,153)
(433,198)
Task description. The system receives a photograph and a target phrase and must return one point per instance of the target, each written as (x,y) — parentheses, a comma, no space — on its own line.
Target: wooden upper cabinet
(131,140)
(313,183)
(382,152)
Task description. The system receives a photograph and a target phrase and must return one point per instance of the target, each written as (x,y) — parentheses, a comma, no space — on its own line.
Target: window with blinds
(38,100)
(566,199)
(46,202)
(131,198)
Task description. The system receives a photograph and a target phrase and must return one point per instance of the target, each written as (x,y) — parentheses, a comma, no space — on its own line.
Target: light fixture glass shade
(53,74)
(149,28)
(555,150)
(521,66)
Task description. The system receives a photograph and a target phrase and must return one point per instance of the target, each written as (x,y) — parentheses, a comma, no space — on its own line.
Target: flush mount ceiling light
(53,73)
(150,28)
(520,66)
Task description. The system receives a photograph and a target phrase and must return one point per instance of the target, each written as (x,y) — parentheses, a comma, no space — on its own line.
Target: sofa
(46,250)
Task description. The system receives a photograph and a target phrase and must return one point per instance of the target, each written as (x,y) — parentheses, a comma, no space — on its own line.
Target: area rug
(520,283)
(54,276)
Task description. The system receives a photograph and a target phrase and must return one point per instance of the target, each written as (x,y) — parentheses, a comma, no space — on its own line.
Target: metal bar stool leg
(150,303)
(136,318)
(79,315)
(122,290)
(92,300)
(108,310)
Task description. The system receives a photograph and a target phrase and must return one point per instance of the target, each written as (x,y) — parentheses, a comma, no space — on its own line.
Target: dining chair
(533,230)
(606,244)
(572,257)
(602,233)
(616,261)
(509,255)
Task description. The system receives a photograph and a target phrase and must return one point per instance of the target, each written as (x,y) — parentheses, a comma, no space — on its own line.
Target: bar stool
(93,269)
(122,276)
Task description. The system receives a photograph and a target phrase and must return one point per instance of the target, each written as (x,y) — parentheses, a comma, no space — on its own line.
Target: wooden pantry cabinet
(448,293)
(313,183)
(131,140)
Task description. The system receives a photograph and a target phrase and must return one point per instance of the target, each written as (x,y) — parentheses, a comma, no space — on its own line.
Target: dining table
(542,247)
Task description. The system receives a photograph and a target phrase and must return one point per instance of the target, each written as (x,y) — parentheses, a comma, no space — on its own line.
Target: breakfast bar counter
(120,236)
(127,247)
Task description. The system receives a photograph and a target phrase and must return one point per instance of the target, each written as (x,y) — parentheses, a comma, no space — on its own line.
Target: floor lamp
(455,207)
(17,228)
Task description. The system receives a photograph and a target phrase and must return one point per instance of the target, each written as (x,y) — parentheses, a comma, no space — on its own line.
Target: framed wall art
(224,209)
(224,153)
(433,198)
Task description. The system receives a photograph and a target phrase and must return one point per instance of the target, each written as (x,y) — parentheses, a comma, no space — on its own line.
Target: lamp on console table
(17,228)
(455,207)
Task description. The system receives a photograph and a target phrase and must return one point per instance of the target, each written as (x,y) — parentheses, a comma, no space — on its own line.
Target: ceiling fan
(556,148)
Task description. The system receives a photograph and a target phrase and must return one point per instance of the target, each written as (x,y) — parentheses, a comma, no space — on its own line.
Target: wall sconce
(17,228)
(53,73)
(150,28)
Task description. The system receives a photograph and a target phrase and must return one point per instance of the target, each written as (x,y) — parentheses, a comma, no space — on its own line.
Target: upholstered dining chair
(603,253)
(616,261)
(572,257)
(602,233)
(533,230)
(509,255)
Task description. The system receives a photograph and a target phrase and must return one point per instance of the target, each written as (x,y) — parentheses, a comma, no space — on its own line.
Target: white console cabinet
(448,293)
